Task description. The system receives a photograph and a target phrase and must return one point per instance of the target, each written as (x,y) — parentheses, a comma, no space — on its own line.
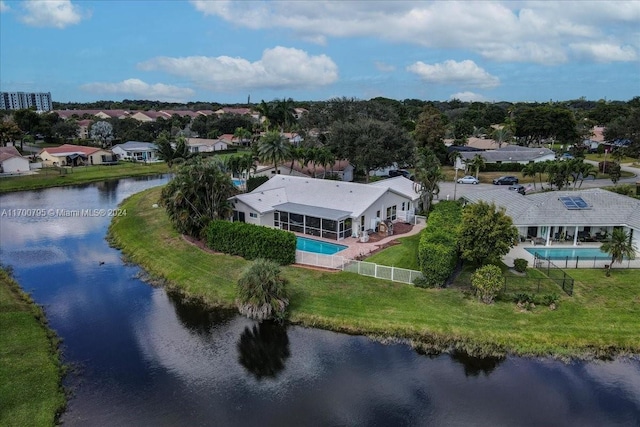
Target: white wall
(15,164)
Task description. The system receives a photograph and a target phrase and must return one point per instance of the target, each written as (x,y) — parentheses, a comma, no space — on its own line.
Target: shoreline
(430,320)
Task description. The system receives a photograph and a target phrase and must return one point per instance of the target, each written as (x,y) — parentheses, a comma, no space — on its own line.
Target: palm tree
(454,156)
(262,292)
(274,148)
(530,170)
(242,135)
(619,246)
(581,171)
(427,176)
(285,113)
(266,114)
(502,135)
(325,158)
(296,154)
(477,162)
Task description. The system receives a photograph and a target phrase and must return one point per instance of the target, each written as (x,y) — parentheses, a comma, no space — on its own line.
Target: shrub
(487,282)
(262,292)
(523,297)
(422,282)
(550,299)
(438,248)
(520,265)
(252,241)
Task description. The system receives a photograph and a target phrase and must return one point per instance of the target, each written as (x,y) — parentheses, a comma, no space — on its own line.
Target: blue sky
(224,51)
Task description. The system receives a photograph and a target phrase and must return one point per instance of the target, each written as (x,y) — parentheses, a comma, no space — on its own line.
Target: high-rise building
(20,100)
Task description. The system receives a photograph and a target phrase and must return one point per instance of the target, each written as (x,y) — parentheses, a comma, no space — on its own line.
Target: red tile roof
(8,152)
(70,148)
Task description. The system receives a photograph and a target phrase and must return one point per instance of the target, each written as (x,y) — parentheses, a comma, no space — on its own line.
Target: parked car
(399,172)
(506,180)
(468,180)
(567,156)
(518,187)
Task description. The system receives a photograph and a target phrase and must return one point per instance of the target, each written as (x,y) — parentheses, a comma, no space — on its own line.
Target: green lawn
(52,177)
(601,318)
(30,371)
(403,255)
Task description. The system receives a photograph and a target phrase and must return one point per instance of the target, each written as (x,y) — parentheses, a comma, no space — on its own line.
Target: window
(391,212)
(253,215)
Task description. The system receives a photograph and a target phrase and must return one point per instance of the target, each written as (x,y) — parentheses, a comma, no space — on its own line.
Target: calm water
(571,253)
(142,357)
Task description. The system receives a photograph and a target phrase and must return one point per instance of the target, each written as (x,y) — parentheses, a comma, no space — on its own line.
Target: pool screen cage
(328,228)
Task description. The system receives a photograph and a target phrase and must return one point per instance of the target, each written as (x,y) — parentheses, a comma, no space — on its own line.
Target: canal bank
(435,319)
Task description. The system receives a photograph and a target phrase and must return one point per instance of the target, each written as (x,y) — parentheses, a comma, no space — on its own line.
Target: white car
(468,180)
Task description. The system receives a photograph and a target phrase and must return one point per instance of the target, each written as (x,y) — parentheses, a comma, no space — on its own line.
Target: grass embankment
(601,318)
(55,177)
(30,369)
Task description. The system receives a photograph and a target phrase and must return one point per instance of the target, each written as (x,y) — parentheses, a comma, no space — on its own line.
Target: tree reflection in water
(473,366)
(263,349)
(196,316)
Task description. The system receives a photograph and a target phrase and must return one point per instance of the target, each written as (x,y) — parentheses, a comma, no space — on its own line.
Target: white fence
(363,268)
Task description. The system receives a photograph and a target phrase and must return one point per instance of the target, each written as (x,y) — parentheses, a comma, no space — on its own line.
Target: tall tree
(430,131)
(476,163)
(9,132)
(172,153)
(197,194)
(274,148)
(427,176)
(102,132)
(487,233)
(502,135)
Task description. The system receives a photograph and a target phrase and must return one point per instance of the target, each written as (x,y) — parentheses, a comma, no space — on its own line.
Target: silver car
(468,180)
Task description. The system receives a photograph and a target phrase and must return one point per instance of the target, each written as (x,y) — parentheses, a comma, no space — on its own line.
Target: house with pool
(567,218)
(327,208)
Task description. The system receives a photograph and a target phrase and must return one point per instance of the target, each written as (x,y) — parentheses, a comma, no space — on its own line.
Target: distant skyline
(226,51)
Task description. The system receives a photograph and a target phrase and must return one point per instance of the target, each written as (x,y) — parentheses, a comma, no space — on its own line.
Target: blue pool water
(572,253)
(316,246)
(238,182)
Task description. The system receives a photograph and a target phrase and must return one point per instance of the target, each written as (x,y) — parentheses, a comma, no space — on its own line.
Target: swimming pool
(238,182)
(316,246)
(572,253)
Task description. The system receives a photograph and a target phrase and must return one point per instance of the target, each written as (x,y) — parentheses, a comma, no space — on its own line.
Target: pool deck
(357,249)
(519,251)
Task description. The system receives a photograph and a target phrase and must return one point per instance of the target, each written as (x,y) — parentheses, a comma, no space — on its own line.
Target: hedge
(251,241)
(503,167)
(438,248)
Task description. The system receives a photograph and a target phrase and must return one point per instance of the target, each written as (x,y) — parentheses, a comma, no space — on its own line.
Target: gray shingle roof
(605,208)
(136,145)
(510,154)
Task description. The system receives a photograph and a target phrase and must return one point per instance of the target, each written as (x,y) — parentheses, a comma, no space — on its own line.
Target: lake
(140,356)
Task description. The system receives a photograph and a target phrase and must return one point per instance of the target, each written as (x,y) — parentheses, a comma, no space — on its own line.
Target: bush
(503,167)
(252,241)
(550,299)
(520,265)
(438,248)
(523,297)
(487,282)
(422,282)
(262,292)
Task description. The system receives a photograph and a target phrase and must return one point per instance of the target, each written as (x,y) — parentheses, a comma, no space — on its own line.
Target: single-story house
(11,161)
(283,169)
(136,151)
(203,145)
(150,116)
(75,155)
(572,217)
(509,154)
(325,208)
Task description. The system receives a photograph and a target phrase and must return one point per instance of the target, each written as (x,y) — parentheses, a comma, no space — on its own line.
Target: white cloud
(51,13)
(278,68)
(463,73)
(522,31)
(142,90)
(468,97)
(4,7)
(604,52)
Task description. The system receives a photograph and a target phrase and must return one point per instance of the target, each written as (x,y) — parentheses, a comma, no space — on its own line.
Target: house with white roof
(326,208)
(136,151)
(571,217)
(509,154)
(204,145)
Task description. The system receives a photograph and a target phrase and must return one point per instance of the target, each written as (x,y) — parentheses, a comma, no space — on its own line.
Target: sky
(228,51)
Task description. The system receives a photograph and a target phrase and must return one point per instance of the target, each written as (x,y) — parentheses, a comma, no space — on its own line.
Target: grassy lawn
(402,255)
(51,177)
(600,157)
(30,369)
(601,318)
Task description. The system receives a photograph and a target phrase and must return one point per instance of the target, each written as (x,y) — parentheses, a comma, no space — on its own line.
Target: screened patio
(315,221)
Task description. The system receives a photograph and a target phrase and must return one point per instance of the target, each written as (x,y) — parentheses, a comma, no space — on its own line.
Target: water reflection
(197,317)
(474,366)
(107,190)
(263,349)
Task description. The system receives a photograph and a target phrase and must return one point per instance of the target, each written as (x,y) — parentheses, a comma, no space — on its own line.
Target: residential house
(75,155)
(11,161)
(150,116)
(136,151)
(325,208)
(203,145)
(83,128)
(509,154)
(568,216)
(341,168)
